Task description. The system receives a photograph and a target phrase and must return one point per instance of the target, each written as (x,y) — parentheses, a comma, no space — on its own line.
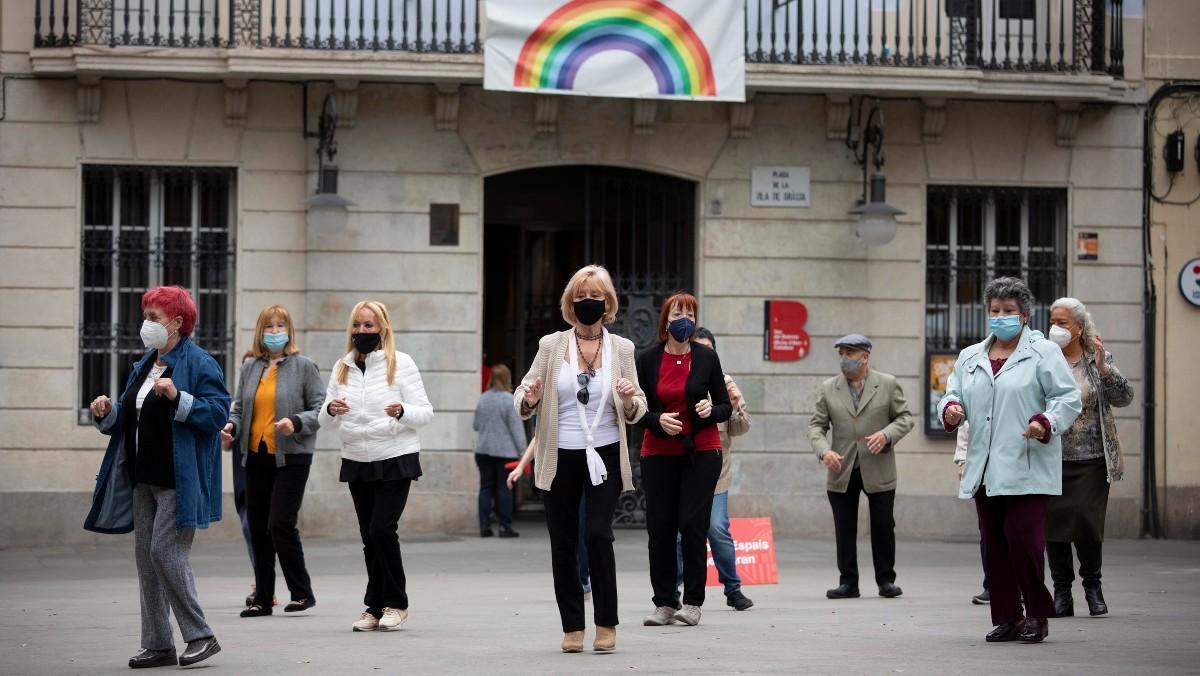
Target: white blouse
(571,432)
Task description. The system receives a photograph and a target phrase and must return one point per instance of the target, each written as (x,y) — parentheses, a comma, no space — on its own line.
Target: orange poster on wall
(754,547)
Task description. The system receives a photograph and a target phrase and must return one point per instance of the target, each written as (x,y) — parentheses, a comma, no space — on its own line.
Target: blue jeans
(720,543)
(239,499)
(493,488)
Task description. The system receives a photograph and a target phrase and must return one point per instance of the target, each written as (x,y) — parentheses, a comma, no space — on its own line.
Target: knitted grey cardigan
(299,394)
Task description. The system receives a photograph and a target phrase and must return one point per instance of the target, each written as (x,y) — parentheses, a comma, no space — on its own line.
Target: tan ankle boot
(606,639)
(572,642)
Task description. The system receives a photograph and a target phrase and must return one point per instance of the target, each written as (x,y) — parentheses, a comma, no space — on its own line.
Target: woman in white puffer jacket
(376,402)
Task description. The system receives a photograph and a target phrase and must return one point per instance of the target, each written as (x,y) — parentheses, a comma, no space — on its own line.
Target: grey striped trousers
(164,570)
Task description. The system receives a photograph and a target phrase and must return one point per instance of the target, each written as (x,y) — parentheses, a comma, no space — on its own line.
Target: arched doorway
(541,225)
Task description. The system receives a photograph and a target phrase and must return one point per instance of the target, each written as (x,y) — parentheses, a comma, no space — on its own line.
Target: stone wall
(1172,56)
(394,164)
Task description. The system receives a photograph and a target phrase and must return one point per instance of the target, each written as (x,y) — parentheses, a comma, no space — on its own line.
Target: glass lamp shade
(876,227)
(876,224)
(327,212)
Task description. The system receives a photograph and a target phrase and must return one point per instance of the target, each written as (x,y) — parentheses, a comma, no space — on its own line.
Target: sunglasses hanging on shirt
(583,395)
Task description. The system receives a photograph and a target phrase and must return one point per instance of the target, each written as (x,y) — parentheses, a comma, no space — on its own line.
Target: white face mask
(1060,336)
(154,335)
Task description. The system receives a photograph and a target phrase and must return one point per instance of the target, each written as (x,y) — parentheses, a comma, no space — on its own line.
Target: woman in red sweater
(681,456)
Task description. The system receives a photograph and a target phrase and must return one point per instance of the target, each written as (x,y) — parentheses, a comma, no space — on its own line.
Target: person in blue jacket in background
(161,473)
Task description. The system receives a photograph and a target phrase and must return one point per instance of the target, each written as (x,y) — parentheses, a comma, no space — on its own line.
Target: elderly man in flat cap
(867,413)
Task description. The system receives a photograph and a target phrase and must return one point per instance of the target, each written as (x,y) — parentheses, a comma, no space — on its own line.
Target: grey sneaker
(689,615)
(662,616)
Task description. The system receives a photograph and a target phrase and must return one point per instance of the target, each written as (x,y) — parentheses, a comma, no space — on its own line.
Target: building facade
(139,148)
(1173,87)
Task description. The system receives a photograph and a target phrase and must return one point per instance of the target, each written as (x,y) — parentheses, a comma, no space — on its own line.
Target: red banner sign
(754,549)
(784,337)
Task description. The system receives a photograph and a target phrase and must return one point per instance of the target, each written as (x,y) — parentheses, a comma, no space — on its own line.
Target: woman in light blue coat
(1018,394)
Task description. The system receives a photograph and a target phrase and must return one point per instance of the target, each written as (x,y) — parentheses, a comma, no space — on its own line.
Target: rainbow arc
(657,35)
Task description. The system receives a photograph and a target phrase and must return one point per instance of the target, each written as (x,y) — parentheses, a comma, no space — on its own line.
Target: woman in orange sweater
(274,417)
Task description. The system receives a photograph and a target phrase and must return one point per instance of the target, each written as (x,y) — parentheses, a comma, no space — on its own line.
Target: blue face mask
(681,329)
(275,342)
(1005,327)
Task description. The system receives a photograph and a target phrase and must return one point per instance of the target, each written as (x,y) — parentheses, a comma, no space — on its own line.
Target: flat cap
(855,341)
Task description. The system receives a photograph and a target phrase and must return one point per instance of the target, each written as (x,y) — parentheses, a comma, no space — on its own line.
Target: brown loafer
(606,639)
(573,642)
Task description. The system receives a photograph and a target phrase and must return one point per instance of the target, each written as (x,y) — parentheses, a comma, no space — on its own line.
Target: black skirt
(399,468)
(1078,514)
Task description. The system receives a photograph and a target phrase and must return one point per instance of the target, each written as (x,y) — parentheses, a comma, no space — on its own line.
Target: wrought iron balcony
(1017,36)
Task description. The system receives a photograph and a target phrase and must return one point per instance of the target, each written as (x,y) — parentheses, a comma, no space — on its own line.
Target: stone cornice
(366,66)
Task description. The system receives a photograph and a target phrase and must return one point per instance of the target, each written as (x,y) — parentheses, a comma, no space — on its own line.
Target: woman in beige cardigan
(583,388)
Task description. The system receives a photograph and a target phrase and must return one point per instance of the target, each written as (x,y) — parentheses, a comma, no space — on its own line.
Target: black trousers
(1091,556)
(883,531)
(571,482)
(982,550)
(679,495)
(493,487)
(273,498)
(378,505)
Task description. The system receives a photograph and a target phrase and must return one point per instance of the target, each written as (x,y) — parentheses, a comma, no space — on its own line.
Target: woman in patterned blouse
(1091,458)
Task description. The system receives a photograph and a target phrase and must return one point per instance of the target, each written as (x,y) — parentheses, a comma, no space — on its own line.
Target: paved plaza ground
(487,607)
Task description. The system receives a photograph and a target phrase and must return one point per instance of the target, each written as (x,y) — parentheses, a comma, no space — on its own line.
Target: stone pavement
(487,606)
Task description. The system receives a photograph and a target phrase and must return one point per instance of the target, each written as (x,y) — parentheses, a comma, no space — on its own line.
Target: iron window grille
(976,234)
(145,227)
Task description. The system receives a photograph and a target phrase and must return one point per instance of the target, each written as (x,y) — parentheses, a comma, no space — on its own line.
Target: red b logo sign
(784,336)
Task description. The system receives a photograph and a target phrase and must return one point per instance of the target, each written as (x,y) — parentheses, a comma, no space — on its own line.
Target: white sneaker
(392,618)
(662,615)
(689,615)
(367,622)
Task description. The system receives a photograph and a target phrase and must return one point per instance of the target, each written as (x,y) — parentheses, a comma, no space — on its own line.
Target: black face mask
(589,311)
(365,342)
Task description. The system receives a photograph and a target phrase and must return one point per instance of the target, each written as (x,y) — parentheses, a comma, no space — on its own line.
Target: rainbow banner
(676,49)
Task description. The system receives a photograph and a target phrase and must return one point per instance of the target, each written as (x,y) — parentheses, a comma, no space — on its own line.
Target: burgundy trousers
(1013,528)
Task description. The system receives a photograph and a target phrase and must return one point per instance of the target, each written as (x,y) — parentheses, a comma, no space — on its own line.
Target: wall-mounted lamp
(876,218)
(327,209)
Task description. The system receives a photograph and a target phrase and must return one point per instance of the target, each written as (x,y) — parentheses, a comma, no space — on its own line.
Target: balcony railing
(1064,36)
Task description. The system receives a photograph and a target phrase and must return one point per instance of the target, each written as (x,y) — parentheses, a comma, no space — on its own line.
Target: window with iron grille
(145,227)
(974,235)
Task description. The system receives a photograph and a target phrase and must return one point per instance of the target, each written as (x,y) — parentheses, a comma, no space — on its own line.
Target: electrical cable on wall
(1191,104)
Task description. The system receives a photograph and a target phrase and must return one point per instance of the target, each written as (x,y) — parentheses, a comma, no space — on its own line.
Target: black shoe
(738,601)
(256,611)
(1004,633)
(1035,631)
(1095,601)
(1064,604)
(982,599)
(485,532)
(153,658)
(199,650)
(843,591)
(509,533)
(889,591)
(300,606)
